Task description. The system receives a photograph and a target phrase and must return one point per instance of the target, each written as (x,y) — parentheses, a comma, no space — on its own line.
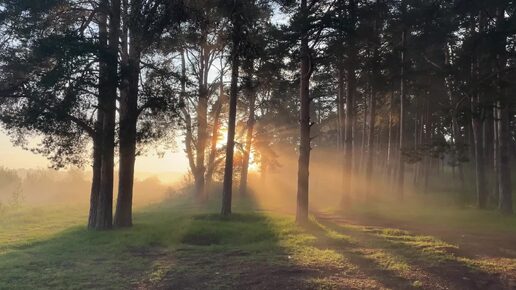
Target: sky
(17,158)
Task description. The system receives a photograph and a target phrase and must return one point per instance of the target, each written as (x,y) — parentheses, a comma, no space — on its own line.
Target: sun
(223,138)
(253,164)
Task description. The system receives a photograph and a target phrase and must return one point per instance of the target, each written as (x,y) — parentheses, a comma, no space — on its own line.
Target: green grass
(51,249)
(181,245)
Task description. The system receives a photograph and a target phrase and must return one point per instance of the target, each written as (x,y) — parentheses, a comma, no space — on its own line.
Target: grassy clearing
(179,245)
(50,248)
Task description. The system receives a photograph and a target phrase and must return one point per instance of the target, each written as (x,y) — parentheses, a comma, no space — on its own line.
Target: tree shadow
(435,258)
(351,250)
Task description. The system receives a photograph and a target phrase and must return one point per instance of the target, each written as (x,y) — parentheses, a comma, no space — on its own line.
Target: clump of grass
(202,237)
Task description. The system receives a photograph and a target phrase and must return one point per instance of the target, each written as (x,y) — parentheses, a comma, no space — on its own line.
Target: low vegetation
(181,245)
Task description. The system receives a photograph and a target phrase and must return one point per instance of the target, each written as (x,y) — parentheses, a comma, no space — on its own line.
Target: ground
(180,245)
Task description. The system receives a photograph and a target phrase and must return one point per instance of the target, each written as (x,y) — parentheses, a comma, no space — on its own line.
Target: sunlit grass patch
(329,234)
(385,260)
(426,244)
(491,265)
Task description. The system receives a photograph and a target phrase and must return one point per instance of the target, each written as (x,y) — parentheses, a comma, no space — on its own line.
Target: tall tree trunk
(217,109)
(341,116)
(364,137)
(372,103)
(202,134)
(227,189)
(97,169)
(370,143)
(127,135)
(99,123)
(248,144)
(476,122)
(105,208)
(390,139)
(479,159)
(304,123)
(504,176)
(401,165)
(504,113)
(189,147)
(496,148)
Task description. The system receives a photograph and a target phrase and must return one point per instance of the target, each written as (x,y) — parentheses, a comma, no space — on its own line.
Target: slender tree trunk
(476,119)
(105,208)
(479,164)
(304,125)
(390,139)
(504,113)
(202,124)
(189,147)
(227,190)
(496,148)
(248,144)
(370,146)
(97,167)
(364,137)
(505,199)
(401,165)
(341,101)
(217,109)
(372,103)
(99,124)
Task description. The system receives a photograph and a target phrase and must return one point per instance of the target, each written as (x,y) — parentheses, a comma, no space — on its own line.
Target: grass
(429,213)
(50,248)
(181,245)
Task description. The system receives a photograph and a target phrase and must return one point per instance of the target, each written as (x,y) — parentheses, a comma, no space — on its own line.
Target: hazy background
(25,178)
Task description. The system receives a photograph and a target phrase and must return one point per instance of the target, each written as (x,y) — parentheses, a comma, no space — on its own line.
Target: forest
(330,144)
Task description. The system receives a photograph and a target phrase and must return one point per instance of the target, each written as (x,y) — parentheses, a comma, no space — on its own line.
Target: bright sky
(17,158)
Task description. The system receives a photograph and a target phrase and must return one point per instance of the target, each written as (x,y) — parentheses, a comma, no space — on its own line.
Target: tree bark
(476,122)
(479,160)
(304,123)
(105,206)
(349,122)
(99,124)
(127,135)
(372,104)
(504,113)
(227,190)
(96,168)
(248,144)
(401,164)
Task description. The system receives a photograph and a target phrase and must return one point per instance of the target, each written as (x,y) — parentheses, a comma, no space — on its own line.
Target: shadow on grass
(350,249)
(184,245)
(436,259)
(174,245)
